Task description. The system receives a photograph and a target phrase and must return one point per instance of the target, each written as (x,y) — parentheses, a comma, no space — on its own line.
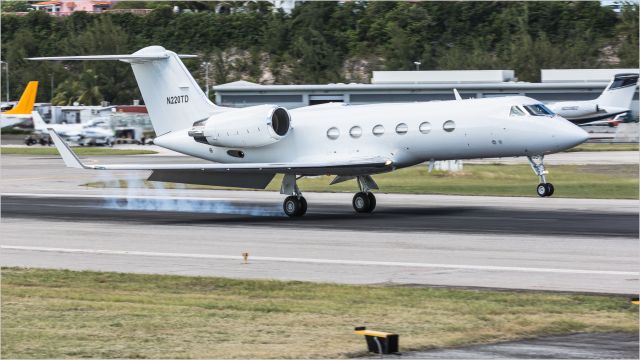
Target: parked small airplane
(251,145)
(22,110)
(615,99)
(95,132)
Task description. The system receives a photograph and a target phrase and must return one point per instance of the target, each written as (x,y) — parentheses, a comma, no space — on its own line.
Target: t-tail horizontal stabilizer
(126,58)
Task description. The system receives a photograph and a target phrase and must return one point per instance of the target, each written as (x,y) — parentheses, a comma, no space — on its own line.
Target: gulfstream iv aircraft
(248,146)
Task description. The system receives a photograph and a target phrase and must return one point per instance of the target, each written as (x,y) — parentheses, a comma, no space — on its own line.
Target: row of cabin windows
(401,129)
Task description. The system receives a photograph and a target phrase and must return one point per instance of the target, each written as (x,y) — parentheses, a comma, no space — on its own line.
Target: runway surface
(215,212)
(580,245)
(461,246)
(573,346)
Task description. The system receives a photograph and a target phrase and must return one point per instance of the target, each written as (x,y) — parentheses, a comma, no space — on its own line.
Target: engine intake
(253,126)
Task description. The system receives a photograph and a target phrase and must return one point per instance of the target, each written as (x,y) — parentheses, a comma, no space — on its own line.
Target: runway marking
(321,261)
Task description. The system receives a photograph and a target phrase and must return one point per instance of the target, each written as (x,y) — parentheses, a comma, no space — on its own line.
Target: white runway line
(321,261)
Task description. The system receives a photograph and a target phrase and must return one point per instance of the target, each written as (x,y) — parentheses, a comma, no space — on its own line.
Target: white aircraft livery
(95,132)
(615,99)
(248,146)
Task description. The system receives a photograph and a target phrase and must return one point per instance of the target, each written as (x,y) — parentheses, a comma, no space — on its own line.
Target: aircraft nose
(573,135)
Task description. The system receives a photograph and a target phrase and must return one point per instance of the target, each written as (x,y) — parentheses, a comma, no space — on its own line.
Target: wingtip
(68,156)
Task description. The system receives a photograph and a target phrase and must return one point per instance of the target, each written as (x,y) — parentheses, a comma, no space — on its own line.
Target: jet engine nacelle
(575,109)
(248,127)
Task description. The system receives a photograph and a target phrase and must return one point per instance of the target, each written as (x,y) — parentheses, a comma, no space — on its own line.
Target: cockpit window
(516,111)
(538,110)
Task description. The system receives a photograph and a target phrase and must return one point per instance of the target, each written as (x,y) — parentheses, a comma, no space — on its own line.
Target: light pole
(206,77)
(417,64)
(6,68)
(52,86)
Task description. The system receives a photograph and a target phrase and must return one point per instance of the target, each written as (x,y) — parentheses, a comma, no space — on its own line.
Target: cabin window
(355,132)
(333,133)
(402,128)
(378,130)
(516,111)
(449,126)
(425,127)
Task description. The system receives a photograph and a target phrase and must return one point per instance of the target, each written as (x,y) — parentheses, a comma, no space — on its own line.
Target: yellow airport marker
(635,300)
(379,342)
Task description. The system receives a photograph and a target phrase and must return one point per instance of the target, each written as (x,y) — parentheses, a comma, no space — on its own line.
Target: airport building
(409,86)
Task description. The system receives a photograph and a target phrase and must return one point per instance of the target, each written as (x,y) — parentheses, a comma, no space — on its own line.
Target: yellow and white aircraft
(24,107)
(248,146)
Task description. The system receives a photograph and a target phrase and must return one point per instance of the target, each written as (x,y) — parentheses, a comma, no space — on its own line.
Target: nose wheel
(544,189)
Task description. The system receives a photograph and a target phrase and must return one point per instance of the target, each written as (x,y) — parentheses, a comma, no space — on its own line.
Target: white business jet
(94,132)
(615,99)
(248,146)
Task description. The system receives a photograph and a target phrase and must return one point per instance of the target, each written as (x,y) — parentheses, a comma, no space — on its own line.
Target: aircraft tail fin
(619,93)
(173,98)
(28,98)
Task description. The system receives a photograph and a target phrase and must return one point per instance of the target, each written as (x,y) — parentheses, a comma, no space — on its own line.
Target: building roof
(572,75)
(442,76)
(45,3)
(505,86)
(142,109)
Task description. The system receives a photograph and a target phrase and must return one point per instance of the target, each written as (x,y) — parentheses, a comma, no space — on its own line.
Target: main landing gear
(295,204)
(544,189)
(364,201)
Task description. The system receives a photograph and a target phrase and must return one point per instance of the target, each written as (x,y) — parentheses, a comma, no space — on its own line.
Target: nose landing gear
(544,189)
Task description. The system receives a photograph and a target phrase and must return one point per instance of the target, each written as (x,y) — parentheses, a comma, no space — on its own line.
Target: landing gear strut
(364,201)
(295,204)
(537,164)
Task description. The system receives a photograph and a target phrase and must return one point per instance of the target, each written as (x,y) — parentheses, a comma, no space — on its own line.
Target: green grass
(604,147)
(573,181)
(88,151)
(62,314)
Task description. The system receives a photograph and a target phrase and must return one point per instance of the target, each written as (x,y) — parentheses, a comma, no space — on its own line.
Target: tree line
(319,42)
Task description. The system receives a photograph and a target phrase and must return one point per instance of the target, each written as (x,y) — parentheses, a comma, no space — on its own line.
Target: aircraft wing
(4,122)
(349,167)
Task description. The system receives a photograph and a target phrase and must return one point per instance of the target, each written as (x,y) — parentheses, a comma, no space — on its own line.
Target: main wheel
(294,206)
(303,205)
(361,202)
(550,188)
(372,201)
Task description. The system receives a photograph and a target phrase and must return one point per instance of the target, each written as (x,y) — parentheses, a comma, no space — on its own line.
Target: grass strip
(88,151)
(571,181)
(62,314)
(605,147)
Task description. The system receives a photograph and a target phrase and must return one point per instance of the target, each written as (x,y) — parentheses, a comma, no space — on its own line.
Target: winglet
(456,94)
(68,156)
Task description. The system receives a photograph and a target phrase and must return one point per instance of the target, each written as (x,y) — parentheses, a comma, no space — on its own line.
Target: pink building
(67,7)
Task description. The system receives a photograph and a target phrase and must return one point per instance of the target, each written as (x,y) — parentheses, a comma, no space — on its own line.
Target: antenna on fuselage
(457,94)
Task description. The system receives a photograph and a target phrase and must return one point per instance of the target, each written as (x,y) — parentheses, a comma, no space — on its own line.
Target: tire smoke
(133,194)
